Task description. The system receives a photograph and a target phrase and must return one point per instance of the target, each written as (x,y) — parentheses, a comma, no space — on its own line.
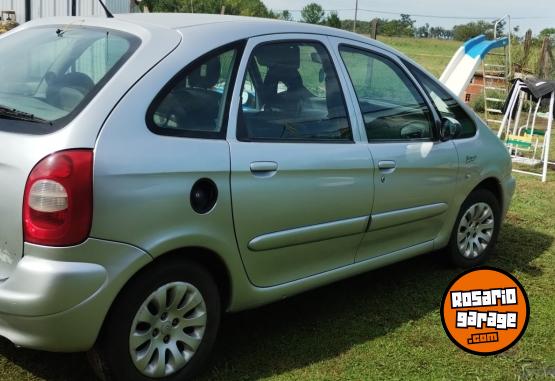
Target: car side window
(291,93)
(194,103)
(391,106)
(446,105)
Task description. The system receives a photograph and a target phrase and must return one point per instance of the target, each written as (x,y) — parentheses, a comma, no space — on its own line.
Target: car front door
(301,177)
(416,173)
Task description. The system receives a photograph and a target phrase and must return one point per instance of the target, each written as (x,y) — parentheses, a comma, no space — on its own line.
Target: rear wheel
(476,229)
(163,325)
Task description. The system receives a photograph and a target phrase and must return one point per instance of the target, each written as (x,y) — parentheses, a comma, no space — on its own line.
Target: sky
(533,14)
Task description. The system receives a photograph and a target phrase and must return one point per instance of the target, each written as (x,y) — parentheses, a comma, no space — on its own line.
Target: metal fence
(26,10)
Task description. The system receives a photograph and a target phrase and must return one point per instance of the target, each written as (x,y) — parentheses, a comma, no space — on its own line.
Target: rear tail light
(57,205)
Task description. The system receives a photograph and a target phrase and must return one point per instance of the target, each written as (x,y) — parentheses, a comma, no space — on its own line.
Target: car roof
(185,20)
(218,25)
(257,26)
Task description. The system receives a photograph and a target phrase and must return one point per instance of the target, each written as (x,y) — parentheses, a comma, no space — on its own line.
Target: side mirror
(450,128)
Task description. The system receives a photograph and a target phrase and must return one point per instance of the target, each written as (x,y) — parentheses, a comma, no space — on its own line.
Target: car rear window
(48,74)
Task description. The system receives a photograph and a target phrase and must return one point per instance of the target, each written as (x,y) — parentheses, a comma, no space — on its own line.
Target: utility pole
(74,7)
(27,10)
(356,15)
(192,10)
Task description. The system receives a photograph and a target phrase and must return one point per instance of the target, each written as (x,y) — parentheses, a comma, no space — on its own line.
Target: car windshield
(48,74)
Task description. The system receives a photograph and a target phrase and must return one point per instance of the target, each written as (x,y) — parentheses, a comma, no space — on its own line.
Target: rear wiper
(15,114)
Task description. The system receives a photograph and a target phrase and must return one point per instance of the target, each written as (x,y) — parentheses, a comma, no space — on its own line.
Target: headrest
(288,75)
(279,55)
(206,75)
(76,80)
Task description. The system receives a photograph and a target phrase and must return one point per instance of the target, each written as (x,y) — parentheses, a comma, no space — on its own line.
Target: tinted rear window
(48,74)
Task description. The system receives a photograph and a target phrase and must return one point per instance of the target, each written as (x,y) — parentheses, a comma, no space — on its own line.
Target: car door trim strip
(308,234)
(404,216)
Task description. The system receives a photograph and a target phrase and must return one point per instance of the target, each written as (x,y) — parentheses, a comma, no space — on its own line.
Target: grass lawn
(434,55)
(381,325)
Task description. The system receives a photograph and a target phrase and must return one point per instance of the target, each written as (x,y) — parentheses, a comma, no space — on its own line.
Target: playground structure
(496,71)
(528,143)
(467,60)
(477,53)
(527,110)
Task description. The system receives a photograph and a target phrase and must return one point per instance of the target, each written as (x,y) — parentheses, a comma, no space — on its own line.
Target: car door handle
(263,167)
(387,166)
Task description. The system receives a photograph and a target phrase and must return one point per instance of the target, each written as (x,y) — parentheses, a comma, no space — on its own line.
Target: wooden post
(374,28)
(527,46)
(545,64)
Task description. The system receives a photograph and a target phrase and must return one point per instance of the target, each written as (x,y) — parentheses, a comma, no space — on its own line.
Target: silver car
(159,170)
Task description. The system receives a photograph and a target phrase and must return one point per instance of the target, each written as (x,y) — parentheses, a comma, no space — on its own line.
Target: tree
(407,22)
(547,32)
(472,29)
(423,31)
(402,27)
(313,13)
(500,28)
(333,20)
(285,15)
(254,8)
(441,33)
(164,5)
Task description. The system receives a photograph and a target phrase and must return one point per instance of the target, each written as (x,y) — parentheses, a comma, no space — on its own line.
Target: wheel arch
(208,259)
(197,257)
(493,185)
(489,183)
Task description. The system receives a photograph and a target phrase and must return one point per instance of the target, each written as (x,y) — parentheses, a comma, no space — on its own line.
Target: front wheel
(162,326)
(476,229)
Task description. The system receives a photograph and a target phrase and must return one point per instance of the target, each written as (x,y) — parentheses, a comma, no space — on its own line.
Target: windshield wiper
(15,114)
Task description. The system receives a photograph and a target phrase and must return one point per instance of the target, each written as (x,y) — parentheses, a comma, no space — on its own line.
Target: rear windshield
(48,74)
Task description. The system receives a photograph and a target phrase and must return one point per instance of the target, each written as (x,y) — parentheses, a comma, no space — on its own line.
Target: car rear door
(416,172)
(301,178)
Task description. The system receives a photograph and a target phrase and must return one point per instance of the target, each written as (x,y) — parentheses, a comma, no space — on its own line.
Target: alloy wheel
(167,329)
(475,230)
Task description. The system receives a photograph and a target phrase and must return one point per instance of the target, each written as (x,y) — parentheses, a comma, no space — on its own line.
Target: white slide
(460,70)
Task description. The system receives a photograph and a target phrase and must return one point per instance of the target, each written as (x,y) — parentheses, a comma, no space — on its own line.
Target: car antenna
(108,13)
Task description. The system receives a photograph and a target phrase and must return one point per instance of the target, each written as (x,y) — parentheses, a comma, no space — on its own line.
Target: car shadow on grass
(316,325)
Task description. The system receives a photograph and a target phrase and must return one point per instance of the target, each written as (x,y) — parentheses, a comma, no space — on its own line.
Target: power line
(424,15)
(451,17)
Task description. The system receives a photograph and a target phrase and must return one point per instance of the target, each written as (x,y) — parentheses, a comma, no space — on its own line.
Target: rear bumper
(56,299)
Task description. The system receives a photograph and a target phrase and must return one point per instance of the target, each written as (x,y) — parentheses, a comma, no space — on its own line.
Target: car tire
(476,229)
(169,333)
